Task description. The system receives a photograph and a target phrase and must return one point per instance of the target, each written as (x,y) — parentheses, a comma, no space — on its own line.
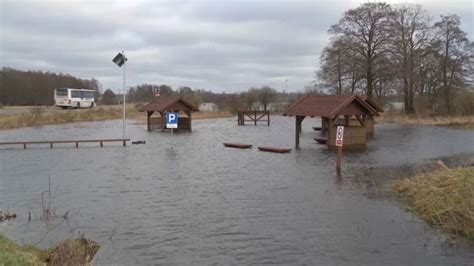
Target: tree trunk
(369,78)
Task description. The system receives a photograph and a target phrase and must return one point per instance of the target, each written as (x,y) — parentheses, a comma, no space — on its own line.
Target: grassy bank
(36,116)
(13,254)
(69,252)
(443,198)
(466,122)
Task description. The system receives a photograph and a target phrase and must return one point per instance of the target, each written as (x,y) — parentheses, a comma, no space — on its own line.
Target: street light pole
(123,92)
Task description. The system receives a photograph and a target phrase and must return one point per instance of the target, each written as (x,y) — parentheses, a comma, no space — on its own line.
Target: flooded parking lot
(188,200)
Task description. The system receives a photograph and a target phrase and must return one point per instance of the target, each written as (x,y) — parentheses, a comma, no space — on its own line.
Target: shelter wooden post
(330,124)
(188,113)
(163,121)
(298,121)
(148,120)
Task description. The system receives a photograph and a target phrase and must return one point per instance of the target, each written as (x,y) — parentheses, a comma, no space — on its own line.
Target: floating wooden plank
(237,145)
(274,149)
(321,140)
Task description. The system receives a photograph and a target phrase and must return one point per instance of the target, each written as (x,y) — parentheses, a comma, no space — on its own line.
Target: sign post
(339,143)
(120,60)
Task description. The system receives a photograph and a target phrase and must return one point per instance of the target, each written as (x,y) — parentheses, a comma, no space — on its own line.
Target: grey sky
(217,45)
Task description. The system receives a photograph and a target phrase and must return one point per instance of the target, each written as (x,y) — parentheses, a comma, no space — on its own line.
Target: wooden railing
(52,142)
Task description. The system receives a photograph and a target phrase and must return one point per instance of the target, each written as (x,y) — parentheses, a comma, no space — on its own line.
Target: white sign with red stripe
(339,135)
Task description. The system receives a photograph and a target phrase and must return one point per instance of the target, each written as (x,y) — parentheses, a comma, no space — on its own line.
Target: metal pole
(123,92)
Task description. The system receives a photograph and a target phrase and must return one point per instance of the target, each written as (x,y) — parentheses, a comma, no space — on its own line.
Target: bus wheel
(64,107)
(92,105)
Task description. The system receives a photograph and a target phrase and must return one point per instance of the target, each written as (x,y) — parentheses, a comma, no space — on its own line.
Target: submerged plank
(237,145)
(274,149)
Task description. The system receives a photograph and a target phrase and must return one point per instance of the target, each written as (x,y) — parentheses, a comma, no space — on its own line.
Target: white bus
(76,98)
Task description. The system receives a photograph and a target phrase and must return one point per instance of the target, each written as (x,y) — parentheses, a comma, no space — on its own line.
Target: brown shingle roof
(325,105)
(162,104)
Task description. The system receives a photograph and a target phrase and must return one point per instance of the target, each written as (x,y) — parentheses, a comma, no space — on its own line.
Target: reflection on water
(189,200)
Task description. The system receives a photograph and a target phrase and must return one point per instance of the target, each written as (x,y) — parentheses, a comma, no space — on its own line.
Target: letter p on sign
(339,135)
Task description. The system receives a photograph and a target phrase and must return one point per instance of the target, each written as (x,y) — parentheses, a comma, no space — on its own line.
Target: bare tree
(332,65)
(455,56)
(266,95)
(340,67)
(249,98)
(410,40)
(368,29)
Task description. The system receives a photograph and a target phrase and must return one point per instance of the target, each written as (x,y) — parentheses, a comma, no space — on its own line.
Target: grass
(466,122)
(37,116)
(444,198)
(69,252)
(13,254)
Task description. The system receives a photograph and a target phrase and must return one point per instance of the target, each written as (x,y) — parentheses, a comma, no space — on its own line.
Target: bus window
(75,94)
(88,94)
(61,92)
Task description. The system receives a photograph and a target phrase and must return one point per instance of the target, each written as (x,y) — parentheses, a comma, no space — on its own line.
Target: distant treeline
(37,87)
(262,98)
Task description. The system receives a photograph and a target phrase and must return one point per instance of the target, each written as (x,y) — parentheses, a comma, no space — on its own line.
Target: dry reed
(458,121)
(444,198)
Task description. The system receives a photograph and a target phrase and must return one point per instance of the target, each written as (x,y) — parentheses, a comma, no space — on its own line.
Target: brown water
(188,200)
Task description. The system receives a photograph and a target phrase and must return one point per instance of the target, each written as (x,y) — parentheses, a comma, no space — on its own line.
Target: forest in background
(37,87)
(380,49)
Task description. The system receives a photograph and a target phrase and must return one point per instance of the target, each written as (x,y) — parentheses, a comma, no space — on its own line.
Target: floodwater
(188,200)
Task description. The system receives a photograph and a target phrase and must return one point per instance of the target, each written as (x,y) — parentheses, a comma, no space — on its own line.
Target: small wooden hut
(330,108)
(162,105)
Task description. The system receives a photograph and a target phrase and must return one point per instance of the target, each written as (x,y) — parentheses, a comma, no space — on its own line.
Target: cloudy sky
(217,45)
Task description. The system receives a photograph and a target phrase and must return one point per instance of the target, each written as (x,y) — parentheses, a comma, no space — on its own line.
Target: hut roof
(372,103)
(328,105)
(162,104)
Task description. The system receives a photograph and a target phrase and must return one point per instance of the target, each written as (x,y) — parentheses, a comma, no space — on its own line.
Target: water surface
(188,200)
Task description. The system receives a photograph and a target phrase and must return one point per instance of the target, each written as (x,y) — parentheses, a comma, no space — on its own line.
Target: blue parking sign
(171,120)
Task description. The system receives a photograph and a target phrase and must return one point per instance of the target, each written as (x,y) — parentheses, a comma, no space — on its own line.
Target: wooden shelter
(330,108)
(252,116)
(162,105)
